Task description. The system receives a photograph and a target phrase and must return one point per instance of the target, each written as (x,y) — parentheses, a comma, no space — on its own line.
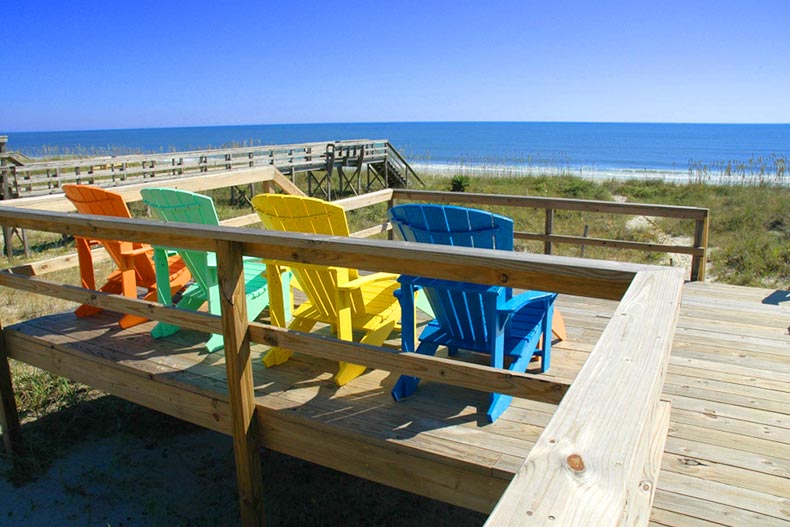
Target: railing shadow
(302,387)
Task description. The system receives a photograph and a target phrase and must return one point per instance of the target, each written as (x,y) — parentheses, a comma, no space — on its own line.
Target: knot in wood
(503,278)
(575,462)
(270,339)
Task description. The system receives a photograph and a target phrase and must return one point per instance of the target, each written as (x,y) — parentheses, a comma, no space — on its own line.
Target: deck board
(727,455)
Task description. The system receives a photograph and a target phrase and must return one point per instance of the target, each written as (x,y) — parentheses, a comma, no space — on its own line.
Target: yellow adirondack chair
(335,295)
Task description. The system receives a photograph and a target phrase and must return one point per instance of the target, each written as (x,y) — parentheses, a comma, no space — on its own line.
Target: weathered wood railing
(321,161)
(46,177)
(701,217)
(594,463)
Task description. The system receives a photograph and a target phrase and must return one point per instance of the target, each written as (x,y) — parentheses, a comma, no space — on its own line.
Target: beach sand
(177,474)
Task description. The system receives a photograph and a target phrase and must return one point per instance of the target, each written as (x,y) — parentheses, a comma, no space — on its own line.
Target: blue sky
(96,65)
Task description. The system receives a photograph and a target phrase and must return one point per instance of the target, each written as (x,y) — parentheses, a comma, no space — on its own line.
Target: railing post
(9,418)
(698,261)
(235,330)
(549,230)
(7,231)
(391,232)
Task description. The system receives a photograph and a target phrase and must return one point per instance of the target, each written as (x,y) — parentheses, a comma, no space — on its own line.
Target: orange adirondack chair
(134,260)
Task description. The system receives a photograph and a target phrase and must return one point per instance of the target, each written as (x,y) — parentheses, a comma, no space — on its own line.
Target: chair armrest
(525,298)
(366,279)
(139,250)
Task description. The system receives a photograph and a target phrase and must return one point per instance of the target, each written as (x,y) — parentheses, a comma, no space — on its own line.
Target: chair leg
(129,285)
(407,384)
(499,403)
(275,356)
(215,342)
(191,300)
(549,323)
(558,325)
(348,371)
(128,321)
(85,258)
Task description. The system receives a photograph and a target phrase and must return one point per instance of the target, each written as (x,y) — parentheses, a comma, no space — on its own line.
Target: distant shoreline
(592,173)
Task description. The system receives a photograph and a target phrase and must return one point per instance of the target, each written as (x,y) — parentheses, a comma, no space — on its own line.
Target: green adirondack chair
(173,205)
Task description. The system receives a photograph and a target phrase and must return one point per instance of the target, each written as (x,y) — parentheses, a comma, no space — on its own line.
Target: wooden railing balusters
(549,230)
(700,215)
(631,354)
(698,261)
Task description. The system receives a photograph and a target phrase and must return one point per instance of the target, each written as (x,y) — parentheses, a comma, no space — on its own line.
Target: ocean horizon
(667,150)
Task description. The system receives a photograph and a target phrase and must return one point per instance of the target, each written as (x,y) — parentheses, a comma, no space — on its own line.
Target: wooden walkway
(727,456)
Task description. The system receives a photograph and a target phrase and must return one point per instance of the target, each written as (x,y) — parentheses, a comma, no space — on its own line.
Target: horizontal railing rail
(700,216)
(45,177)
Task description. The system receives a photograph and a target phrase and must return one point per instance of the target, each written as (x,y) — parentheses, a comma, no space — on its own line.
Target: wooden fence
(46,177)
(701,217)
(322,163)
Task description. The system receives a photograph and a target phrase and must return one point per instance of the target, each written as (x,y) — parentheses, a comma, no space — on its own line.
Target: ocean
(670,151)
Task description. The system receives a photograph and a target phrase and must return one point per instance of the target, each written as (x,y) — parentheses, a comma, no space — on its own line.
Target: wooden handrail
(586,467)
(583,463)
(698,250)
(408,170)
(701,216)
(130,193)
(562,274)
(582,205)
(45,177)
(447,371)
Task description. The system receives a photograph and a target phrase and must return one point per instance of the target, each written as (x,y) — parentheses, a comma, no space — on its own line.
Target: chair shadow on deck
(777,297)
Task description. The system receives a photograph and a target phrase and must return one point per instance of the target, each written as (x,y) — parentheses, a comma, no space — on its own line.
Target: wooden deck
(727,455)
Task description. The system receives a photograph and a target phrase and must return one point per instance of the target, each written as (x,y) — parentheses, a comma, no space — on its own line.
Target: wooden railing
(700,216)
(400,164)
(594,462)
(46,177)
(584,469)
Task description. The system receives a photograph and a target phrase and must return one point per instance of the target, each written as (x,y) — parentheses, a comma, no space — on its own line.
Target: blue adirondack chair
(479,318)
(173,205)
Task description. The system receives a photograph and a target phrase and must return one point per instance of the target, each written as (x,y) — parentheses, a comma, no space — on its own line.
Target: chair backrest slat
(97,201)
(462,314)
(173,205)
(314,216)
